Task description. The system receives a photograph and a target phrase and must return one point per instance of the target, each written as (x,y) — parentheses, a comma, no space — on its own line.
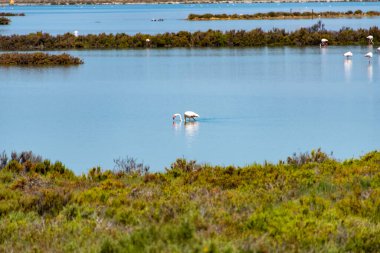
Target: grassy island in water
(7,21)
(310,36)
(37,59)
(284,15)
(10,14)
(4,21)
(308,203)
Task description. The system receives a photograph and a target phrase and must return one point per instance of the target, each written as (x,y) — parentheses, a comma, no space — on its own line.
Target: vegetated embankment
(283,15)
(235,38)
(10,14)
(7,21)
(37,59)
(311,202)
(4,21)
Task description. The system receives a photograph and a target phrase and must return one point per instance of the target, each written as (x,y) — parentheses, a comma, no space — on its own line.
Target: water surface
(133,19)
(255,105)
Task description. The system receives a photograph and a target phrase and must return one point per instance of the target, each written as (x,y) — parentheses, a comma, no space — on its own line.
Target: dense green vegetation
(309,203)
(285,15)
(4,21)
(38,59)
(9,14)
(255,38)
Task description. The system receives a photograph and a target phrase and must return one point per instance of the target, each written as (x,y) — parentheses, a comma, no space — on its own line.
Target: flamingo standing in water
(370,39)
(369,56)
(324,42)
(187,115)
(348,54)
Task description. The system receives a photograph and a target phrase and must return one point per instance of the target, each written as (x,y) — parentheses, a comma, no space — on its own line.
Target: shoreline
(358,14)
(43,3)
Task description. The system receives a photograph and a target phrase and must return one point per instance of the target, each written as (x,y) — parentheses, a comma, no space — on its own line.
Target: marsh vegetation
(39,59)
(284,15)
(10,14)
(310,36)
(7,21)
(4,21)
(310,202)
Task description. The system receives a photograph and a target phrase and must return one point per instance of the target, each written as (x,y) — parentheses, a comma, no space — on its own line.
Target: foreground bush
(255,38)
(310,203)
(38,59)
(284,15)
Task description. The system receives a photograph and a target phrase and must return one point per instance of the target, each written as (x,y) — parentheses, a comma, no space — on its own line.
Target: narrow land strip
(212,38)
(37,59)
(284,15)
(4,21)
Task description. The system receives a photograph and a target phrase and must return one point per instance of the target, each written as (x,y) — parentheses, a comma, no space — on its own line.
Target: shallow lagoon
(256,104)
(133,19)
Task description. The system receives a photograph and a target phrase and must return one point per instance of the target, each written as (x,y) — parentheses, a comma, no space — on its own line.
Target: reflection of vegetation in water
(310,202)
(284,15)
(310,36)
(40,59)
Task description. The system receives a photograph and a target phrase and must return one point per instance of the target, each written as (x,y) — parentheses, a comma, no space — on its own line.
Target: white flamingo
(378,49)
(187,115)
(348,54)
(370,39)
(369,56)
(323,42)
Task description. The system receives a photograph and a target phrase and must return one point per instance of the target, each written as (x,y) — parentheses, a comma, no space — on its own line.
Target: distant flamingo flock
(324,43)
(349,54)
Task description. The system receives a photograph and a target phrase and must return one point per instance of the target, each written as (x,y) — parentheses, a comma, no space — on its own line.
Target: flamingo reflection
(191,131)
(177,126)
(191,128)
(347,69)
(370,72)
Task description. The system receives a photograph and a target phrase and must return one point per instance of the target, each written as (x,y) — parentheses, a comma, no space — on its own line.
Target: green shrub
(109,247)
(314,203)
(6,176)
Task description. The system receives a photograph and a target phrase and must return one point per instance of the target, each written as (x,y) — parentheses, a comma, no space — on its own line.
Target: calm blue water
(255,105)
(133,19)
